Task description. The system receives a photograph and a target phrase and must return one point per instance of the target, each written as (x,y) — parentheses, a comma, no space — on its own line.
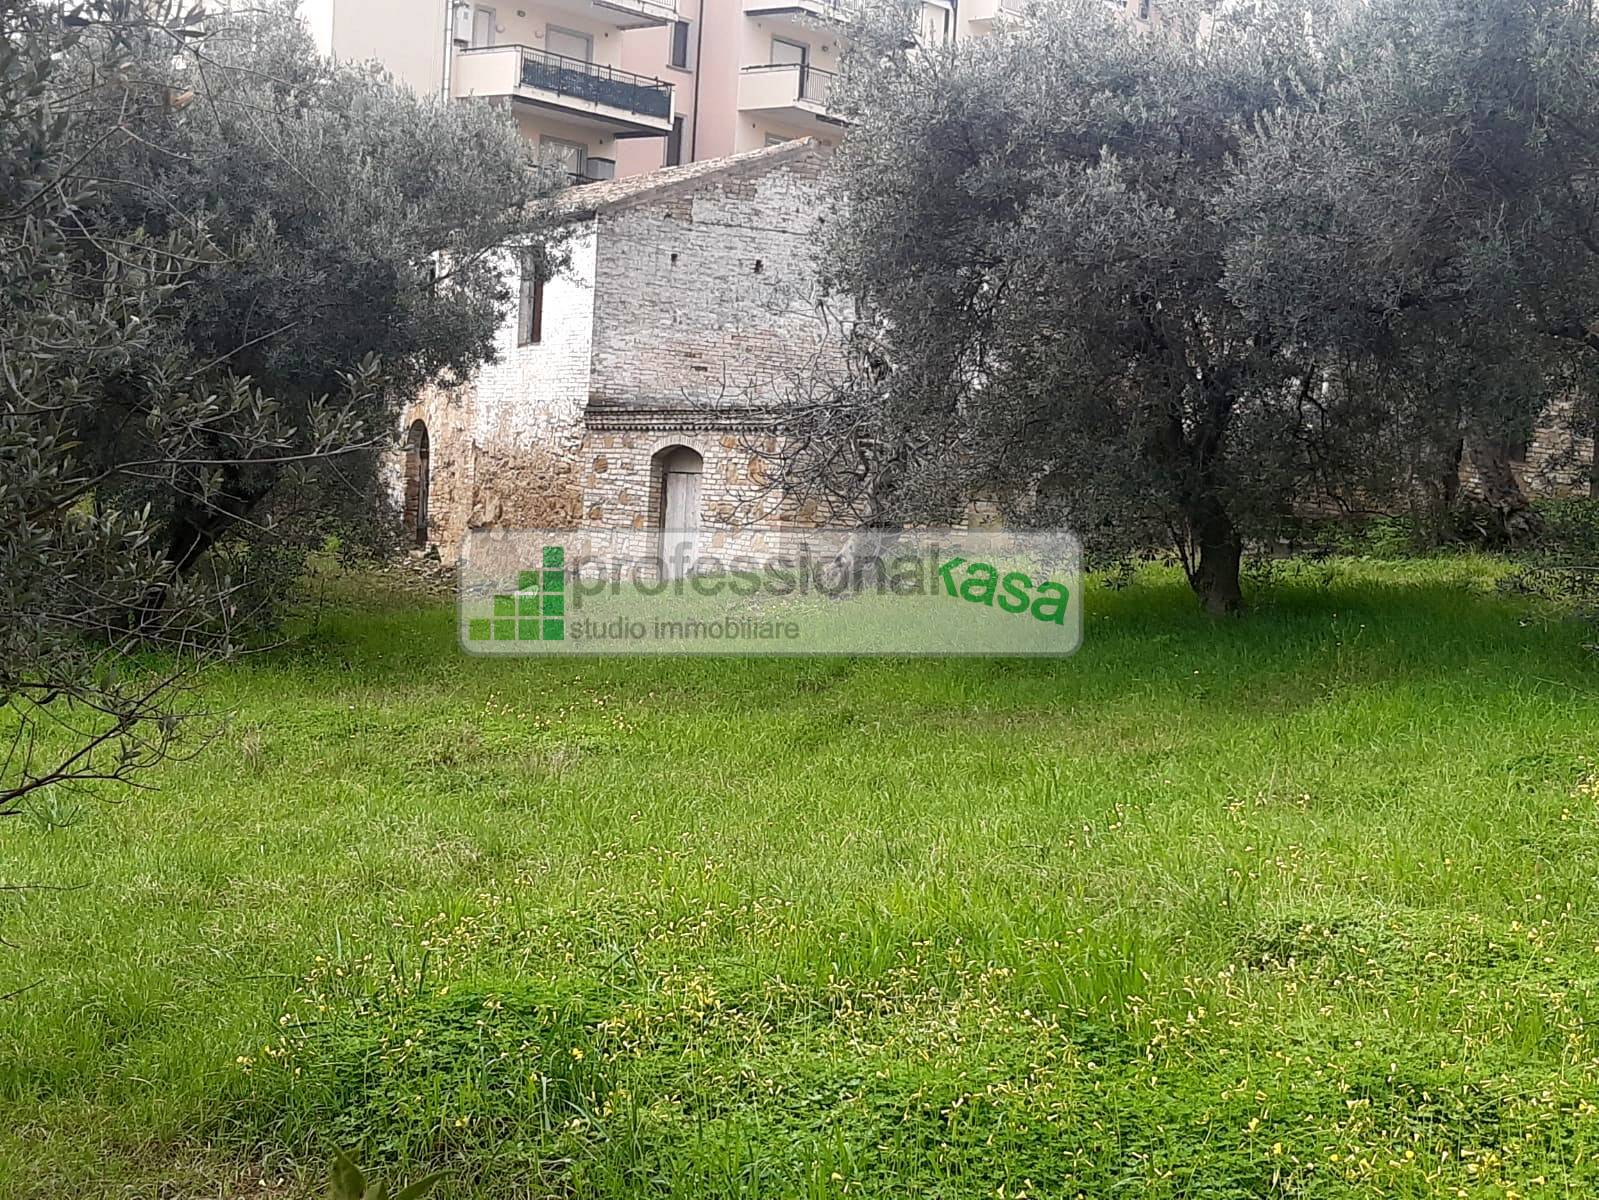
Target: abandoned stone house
(630,388)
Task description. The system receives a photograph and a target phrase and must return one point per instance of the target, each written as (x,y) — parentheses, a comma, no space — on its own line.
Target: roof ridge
(588,199)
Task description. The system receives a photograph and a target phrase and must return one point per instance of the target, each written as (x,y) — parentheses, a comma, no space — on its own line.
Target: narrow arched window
(415,509)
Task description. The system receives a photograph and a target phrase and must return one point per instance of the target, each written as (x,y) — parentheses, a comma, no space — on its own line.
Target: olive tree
(228,262)
(1433,219)
(1175,289)
(344,218)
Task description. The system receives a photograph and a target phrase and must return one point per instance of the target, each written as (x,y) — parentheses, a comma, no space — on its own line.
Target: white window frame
(566,144)
(494,20)
(586,38)
(802,47)
(688,46)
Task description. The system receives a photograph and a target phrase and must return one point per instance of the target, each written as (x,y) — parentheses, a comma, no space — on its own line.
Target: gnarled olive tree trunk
(1497,493)
(1215,574)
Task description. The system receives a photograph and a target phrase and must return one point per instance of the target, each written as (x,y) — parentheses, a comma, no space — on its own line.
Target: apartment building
(610,88)
(750,73)
(556,66)
(747,73)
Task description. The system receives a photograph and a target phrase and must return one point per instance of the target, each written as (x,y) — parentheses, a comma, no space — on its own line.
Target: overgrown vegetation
(227,263)
(1562,565)
(1304,905)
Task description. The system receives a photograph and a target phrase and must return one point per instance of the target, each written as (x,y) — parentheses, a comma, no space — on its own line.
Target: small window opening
(530,305)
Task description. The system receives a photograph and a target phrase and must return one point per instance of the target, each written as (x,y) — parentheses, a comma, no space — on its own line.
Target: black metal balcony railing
(596,83)
(810,83)
(662,10)
(842,11)
(595,170)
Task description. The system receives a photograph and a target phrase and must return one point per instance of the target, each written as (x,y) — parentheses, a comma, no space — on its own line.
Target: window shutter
(674,143)
(530,306)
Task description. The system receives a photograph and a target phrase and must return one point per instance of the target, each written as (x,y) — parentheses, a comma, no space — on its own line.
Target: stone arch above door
(675,475)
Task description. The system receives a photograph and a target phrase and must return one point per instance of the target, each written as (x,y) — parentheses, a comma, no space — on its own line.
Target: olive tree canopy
(228,262)
(1174,288)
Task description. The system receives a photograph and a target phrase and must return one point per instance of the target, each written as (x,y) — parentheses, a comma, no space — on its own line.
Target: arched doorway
(677,471)
(416,484)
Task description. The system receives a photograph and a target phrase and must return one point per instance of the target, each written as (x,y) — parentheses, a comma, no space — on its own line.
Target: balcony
(589,93)
(796,93)
(982,13)
(820,10)
(636,14)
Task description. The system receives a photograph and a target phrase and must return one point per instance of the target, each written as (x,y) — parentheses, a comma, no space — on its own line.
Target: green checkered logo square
(535,612)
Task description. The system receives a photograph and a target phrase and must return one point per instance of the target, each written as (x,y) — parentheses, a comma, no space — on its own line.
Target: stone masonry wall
(1556,459)
(1558,455)
(447,414)
(705,298)
(530,408)
(710,294)
(671,305)
(622,484)
(505,446)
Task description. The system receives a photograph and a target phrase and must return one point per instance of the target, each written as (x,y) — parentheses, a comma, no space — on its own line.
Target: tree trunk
(1215,547)
(867,546)
(1216,579)
(1499,492)
(1215,573)
(192,532)
(1436,496)
(187,540)
(1451,479)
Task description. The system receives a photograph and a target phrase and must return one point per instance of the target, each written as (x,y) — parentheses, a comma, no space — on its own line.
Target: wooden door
(681,526)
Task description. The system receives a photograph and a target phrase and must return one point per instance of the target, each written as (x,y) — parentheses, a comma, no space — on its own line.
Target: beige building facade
(555,66)
(613,88)
(749,73)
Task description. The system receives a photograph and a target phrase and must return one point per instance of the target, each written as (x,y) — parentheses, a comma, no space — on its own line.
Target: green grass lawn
(1301,904)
